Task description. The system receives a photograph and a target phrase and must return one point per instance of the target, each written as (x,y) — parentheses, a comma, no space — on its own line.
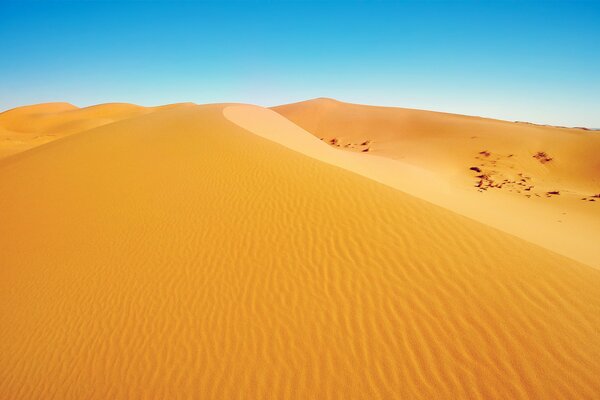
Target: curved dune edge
(573,238)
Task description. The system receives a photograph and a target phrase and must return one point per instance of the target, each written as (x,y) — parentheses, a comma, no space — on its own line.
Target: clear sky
(516,60)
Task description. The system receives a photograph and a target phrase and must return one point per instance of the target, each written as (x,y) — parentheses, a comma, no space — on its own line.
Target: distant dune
(30,126)
(223,252)
(450,143)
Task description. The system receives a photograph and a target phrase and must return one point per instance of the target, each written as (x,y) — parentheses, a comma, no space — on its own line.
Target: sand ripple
(176,255)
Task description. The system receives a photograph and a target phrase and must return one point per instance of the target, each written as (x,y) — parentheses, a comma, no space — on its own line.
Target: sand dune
(177,255)
(450,143)
(536,182)
(26,127)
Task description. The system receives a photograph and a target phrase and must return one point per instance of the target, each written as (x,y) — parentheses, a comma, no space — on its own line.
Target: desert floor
(317,250)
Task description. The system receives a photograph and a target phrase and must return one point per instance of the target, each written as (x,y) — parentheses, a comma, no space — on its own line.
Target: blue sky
(516,60)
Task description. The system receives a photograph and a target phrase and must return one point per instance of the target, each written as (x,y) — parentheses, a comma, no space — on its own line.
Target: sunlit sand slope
(537,182)
(26,127)
(452,143)
(176,255)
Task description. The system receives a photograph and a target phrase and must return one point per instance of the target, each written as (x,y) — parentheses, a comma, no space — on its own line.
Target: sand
(26,127)
(176,254)
(539,183)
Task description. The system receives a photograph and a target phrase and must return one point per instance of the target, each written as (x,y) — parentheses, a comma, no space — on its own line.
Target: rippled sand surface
(174,254)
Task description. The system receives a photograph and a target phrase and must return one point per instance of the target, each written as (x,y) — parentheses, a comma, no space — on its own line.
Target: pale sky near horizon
(528,61)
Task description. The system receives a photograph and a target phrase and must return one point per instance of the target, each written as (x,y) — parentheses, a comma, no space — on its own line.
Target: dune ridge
(177,255)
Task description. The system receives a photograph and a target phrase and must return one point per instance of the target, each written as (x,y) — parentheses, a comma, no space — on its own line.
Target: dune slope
(451,143)
(23,128)
(176,255)
(539,183)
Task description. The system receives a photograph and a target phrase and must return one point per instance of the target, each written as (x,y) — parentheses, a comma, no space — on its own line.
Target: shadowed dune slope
(176,255)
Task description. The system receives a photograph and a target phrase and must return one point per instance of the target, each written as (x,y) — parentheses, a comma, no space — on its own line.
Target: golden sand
(174,254)
(539,183)
(30,126)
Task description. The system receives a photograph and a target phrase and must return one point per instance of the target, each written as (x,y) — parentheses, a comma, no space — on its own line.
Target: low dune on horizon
(315,250)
